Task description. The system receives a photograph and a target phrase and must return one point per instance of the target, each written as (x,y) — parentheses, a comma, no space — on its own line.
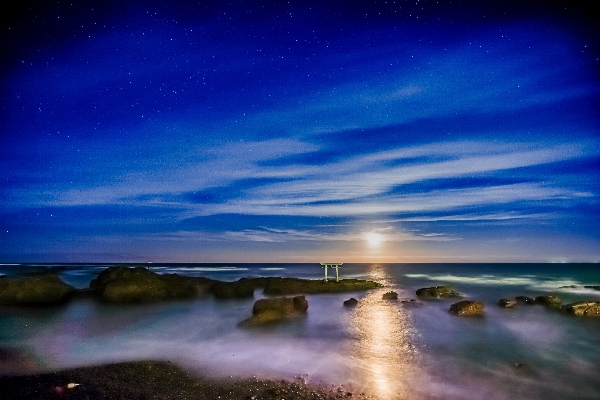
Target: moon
(374,239)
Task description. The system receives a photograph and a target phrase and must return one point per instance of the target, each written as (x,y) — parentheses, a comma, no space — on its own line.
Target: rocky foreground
(138,285)
(156,380)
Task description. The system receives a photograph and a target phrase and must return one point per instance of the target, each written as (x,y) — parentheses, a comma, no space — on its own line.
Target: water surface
(392,349)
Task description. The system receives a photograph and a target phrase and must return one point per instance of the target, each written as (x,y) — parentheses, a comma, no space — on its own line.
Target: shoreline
(160,380)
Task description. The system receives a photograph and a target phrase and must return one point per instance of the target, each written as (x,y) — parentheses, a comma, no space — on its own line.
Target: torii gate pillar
(332,265)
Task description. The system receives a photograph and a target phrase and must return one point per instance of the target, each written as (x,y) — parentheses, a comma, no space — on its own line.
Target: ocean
(391,349)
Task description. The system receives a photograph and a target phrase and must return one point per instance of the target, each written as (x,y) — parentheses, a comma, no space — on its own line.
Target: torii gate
(332,265)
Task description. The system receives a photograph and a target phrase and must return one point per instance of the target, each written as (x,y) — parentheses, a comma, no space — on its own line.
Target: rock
(551,301)
(46,289)
(227,290)
(411,302)
(437,291)
(390,296)
(507,303)
(267,311)
(595,287)
(351,302)
(136,285)
(467,307)
(583,308)
(525,299)
(286,286)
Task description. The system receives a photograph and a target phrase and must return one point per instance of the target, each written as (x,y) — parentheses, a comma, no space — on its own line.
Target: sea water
(391,349)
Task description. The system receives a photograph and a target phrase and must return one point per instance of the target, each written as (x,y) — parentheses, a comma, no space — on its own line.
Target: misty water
(394,350)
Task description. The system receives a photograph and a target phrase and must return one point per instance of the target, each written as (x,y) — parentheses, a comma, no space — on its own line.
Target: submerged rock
(351,302)
(46,289)
(467,307)
(268,311)
(437,291)
(507,303)
(583,308)
(390,296)
(137,285)
(526,300)
(551,301)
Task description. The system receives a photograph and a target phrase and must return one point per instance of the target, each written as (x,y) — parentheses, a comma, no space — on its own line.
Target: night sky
(299,131)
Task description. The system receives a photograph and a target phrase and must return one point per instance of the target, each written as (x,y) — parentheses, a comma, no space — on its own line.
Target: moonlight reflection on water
(387,357)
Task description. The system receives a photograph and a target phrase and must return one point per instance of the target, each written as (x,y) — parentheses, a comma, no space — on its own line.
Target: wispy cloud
(276,235)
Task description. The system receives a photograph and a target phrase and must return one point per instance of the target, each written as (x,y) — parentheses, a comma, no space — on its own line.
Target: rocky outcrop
(46,289)
(351,302)
(437,291)
(593,287)
(507,303)
(390,296)
(552,301)
(229,290)
(526,300)
(269,311)
(138,285)
(286,286)
(583,308)
(467,307)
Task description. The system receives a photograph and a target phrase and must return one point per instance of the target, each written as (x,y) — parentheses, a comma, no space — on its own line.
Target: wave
(536,282)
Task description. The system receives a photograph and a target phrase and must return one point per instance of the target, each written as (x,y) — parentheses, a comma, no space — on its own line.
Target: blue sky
(300,132)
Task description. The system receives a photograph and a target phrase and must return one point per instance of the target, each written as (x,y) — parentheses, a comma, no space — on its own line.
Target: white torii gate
(332,265)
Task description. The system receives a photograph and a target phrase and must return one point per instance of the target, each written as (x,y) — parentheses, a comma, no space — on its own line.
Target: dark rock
(507,303)
(149,380)
(467,307)
(525,299)
(583,308)
(351,302)
(267,311)
(390,296)
(228,290)
(551,301)
(411,302)
(136,285)
(595,287)
(46,289)
(283,286)
(437,291)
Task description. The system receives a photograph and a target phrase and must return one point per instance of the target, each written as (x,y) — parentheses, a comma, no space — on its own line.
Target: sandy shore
(157,380)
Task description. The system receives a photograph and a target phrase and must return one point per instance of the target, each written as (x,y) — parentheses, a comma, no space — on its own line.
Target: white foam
(520,280)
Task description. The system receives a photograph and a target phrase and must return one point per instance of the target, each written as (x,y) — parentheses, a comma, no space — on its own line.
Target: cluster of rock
(464,307)
(590,308)
(551,301)
(594,287)
(136,285)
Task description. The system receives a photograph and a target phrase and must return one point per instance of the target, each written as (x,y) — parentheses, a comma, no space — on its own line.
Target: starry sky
(299,131)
